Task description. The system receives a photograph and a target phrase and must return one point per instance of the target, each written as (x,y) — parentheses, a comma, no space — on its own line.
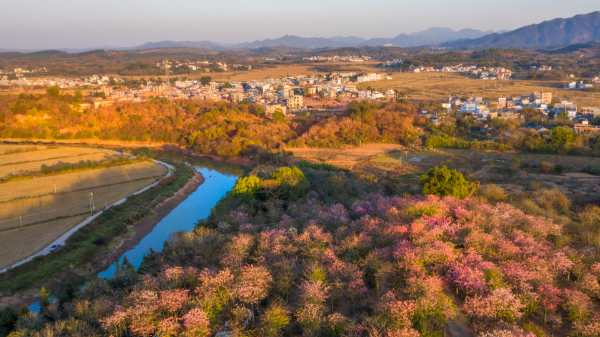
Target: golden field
(43,153)
(438,86)
(30,167)
(35,206)
(7,149)
(18,244)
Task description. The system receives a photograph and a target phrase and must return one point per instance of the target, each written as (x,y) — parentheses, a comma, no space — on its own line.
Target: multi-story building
(158,89)
(591,110)
(295,103)
(270,108)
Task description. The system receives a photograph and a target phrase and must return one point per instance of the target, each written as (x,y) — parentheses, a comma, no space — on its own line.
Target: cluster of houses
(584,84)
(543,68)
(62,83)
(201,65)
(371,77)
(337,58)
(511,108)
(459,68)
(290,95)
(473,71)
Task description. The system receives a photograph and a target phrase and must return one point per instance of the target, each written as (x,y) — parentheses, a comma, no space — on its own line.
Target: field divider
(62,239)
(61,157)
(81,190)
(41,222)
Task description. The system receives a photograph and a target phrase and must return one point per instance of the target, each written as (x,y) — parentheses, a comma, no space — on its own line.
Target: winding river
(219,179)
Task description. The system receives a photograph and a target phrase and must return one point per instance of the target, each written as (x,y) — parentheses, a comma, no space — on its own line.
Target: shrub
(546,166)
(595,170)
(443,182)
(493,194)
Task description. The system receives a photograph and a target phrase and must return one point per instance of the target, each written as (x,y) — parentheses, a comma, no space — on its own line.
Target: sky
(55,24)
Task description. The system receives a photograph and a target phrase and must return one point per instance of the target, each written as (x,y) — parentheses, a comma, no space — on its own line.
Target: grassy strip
(326,167)
(89,242)
(72,168)
(29,149)
(595,170)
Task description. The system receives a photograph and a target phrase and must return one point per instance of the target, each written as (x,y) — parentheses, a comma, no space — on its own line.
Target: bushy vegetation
(344,255)
(61,168)
(230,129)
(326,167)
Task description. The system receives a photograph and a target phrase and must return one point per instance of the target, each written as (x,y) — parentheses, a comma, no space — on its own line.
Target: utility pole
(54,185)
(34,177)
(21,220)
(92,206)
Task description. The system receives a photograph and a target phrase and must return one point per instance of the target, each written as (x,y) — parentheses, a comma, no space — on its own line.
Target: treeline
(230,129)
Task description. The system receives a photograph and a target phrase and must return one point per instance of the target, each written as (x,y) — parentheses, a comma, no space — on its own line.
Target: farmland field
(29,167)
(7,149)
(346,157)
(43,154)
(438,86)
(49,206)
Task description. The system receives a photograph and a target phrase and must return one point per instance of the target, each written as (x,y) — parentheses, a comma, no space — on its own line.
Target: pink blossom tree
(196,323)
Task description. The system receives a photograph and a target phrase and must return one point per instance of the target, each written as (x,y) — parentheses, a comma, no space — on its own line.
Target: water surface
(219,179)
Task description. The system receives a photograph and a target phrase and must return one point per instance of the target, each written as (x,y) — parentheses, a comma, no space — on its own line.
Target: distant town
(320,95)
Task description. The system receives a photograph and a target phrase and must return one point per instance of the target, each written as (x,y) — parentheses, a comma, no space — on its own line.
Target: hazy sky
(38,24)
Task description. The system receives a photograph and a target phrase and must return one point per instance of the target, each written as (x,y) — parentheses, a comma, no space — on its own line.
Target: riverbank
(144,226)
(96,245)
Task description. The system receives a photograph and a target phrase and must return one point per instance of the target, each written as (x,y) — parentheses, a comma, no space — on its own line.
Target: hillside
(578,29)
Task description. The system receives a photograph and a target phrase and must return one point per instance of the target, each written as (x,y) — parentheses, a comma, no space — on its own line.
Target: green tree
(278,116)
(292,182)
(205,80)
(101,94)
(78,97)
(8,318)
(444,182)
(562,136)
(275,319)
(45,301)
(247,185)
(564,115)
(53,91)
(226,85)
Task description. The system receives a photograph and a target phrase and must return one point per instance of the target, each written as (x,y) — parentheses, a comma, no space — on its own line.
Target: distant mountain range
(430,36)
(558,32)
(578,29)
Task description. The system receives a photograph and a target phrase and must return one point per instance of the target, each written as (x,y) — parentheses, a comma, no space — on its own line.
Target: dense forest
(323,253)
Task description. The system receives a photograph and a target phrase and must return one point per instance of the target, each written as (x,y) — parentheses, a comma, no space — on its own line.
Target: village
(324,95)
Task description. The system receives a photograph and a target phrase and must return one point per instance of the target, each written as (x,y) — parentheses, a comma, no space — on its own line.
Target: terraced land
(35,212)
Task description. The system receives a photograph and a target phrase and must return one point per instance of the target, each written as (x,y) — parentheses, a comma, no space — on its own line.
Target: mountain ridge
(561,31)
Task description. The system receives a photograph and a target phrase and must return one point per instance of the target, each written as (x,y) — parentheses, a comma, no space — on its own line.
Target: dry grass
(33,167)
(11,148)
(42,154)
(18,244)
(64,205)
(345,158)
(437,86)
(80,180)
